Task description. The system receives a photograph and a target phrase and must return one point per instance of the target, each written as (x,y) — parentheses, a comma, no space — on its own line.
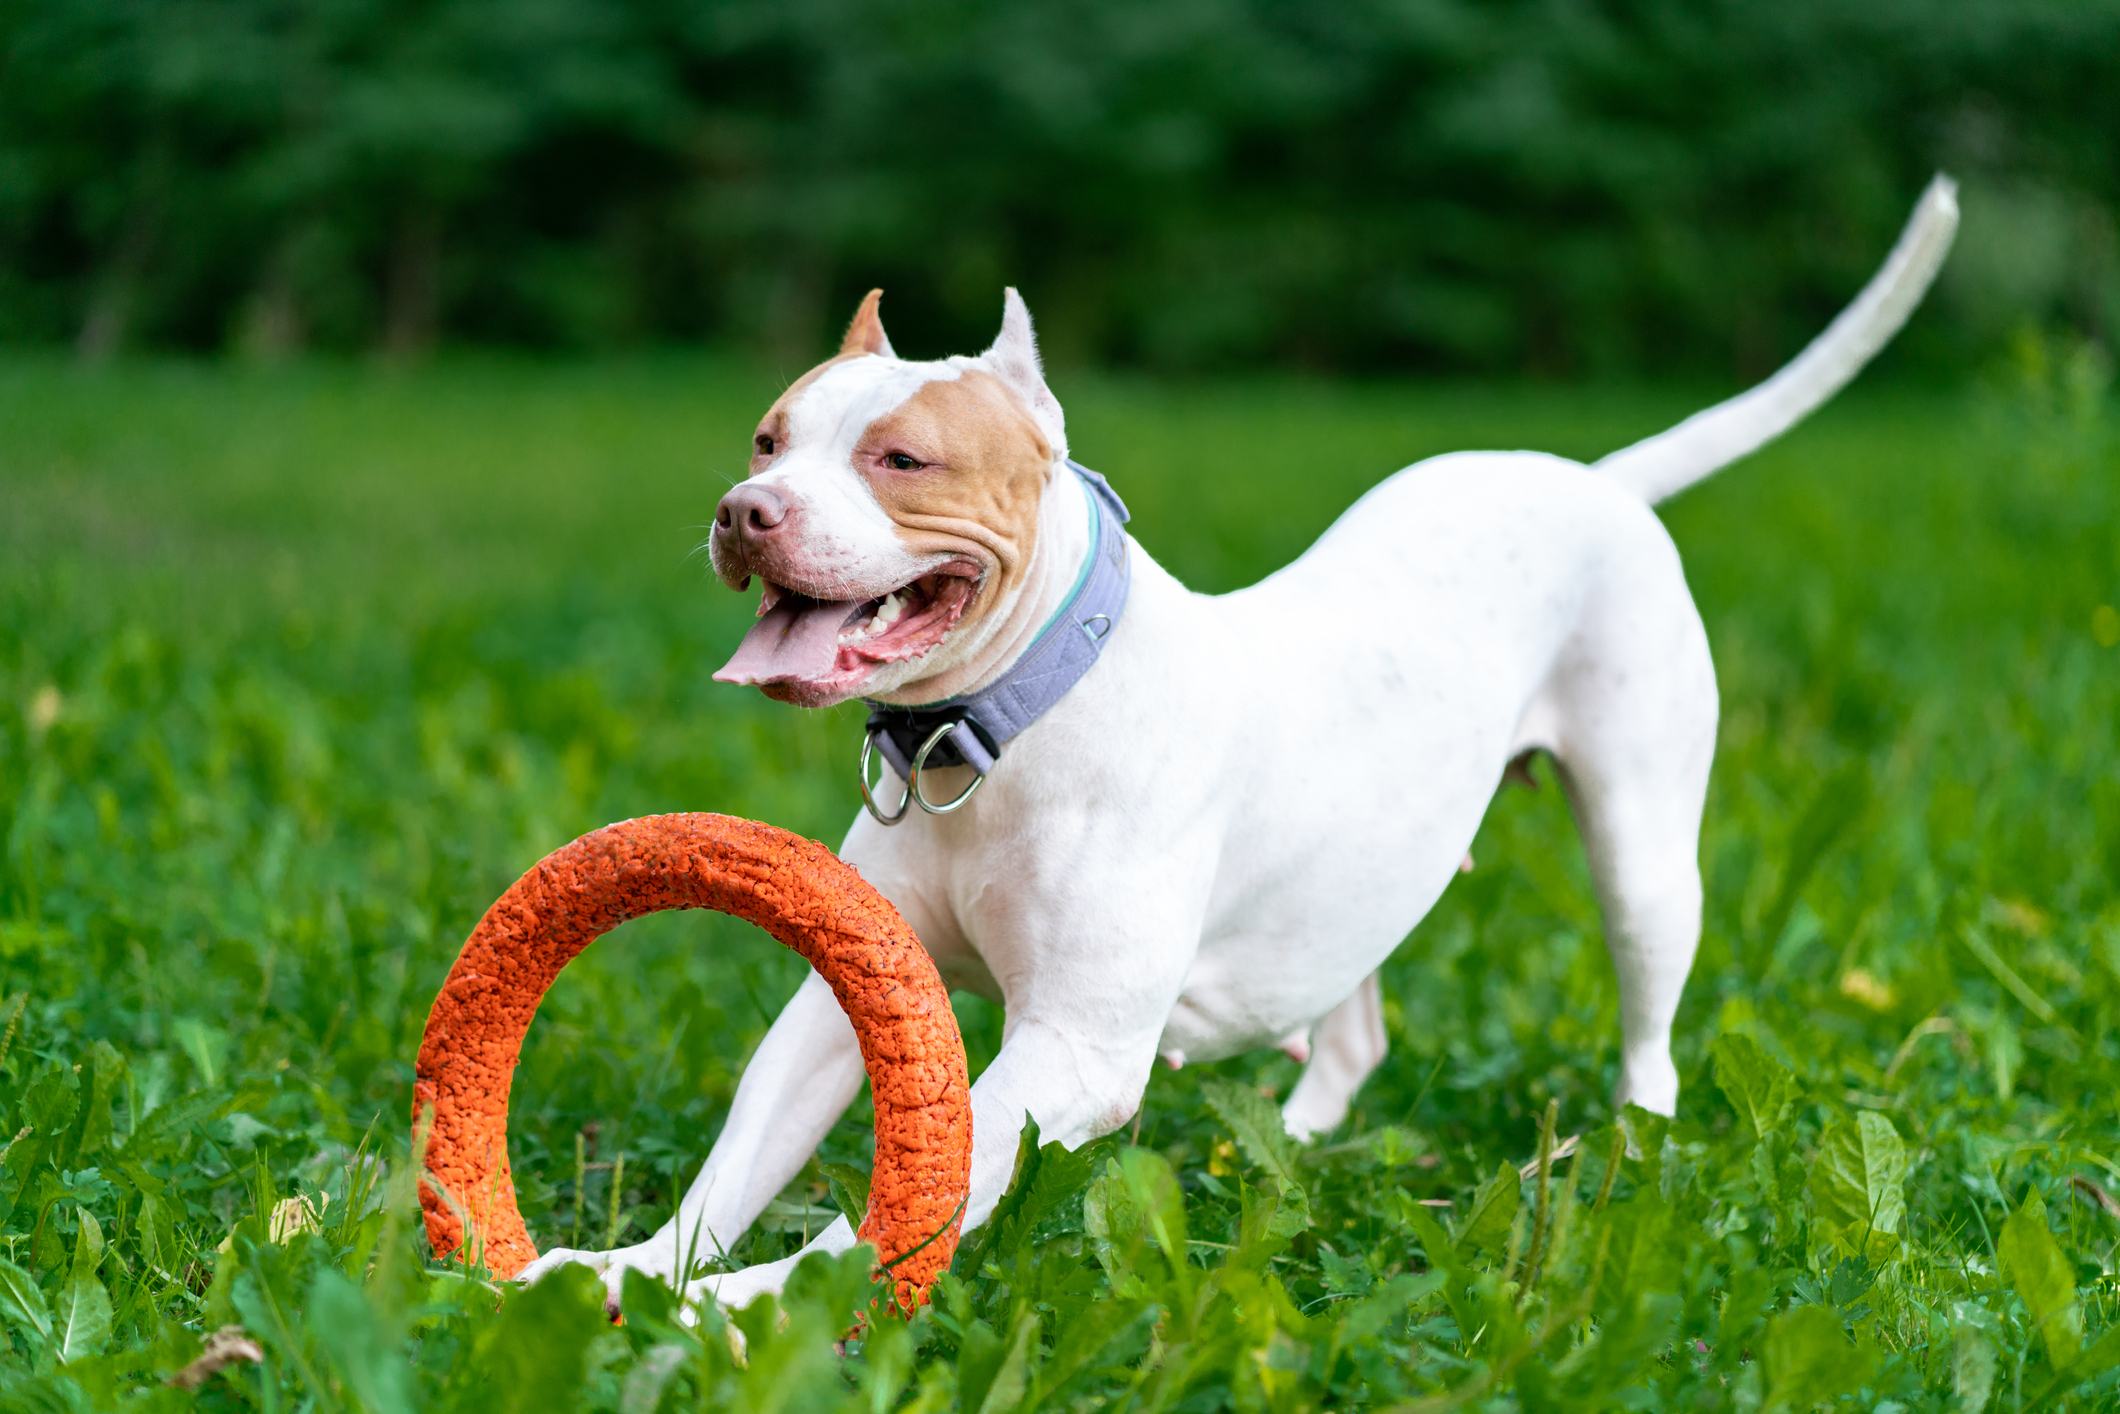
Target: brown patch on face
(981,468)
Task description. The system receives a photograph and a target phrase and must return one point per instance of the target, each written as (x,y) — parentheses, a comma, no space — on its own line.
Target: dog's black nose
(751,512)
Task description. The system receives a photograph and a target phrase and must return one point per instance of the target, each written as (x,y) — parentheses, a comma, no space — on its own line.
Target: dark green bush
(1531,185)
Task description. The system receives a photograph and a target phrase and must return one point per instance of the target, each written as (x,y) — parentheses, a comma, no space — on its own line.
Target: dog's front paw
(612,1266)
(559,1257)
(735,1290)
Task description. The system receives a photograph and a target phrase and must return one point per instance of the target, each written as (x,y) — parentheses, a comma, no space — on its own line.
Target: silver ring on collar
(913,794)
(868,797)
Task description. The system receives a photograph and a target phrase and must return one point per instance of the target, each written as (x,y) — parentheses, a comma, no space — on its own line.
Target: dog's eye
(899,461)
(765,444)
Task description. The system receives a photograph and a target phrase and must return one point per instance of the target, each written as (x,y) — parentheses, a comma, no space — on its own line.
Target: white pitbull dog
(1201,847)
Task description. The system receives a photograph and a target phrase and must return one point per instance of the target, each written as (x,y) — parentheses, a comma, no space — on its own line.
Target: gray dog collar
(971,730)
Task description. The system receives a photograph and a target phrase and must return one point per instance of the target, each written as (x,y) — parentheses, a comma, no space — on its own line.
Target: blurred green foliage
(300,667)
(1552,186)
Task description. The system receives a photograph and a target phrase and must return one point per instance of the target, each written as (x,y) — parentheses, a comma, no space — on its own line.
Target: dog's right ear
(865,335)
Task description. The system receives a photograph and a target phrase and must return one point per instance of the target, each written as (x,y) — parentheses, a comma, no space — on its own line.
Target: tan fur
(985,465)
(865,333)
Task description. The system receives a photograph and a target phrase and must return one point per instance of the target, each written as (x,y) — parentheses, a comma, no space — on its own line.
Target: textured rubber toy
(795,889)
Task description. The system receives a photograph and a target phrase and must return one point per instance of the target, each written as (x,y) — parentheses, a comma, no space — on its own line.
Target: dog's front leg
(1079,1088)
(806,1072)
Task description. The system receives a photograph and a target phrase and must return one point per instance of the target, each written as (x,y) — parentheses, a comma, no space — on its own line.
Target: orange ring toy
(795,889)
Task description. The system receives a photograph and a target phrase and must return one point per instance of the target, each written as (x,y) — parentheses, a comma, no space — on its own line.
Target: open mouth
(813,650)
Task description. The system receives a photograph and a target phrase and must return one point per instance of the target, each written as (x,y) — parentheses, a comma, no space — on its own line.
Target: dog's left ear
(1014,360)
(865,335)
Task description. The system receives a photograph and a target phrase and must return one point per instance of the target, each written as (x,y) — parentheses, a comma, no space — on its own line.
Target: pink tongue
(797,639)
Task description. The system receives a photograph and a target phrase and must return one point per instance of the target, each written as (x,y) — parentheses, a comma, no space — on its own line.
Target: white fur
(1213,841)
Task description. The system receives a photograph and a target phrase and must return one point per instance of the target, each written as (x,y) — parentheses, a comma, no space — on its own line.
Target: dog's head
(892,513)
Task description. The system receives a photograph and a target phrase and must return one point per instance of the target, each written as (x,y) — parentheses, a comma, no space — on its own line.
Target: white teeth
(888,613)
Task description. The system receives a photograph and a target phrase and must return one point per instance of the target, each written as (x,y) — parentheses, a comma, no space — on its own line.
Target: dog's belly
(1417,635)
(1302,916)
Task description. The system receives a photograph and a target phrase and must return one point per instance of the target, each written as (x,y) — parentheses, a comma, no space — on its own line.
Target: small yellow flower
(44,709)
(1861,985)
(2025,918)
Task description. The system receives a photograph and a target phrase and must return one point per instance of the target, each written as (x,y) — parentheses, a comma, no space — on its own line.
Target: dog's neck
(1064,542)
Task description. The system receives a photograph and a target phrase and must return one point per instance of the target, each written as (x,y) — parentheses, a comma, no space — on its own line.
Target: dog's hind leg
(1348,1045)
(1636,718)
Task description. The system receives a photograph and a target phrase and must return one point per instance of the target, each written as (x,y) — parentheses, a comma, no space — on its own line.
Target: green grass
(299,670)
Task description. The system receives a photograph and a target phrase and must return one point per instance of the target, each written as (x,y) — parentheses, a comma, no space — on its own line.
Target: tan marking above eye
(996,462)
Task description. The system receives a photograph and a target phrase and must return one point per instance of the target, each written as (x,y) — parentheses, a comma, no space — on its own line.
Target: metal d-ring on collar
(970,731)
(914,795)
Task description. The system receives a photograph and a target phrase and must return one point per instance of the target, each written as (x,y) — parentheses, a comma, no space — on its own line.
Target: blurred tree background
(1554,187)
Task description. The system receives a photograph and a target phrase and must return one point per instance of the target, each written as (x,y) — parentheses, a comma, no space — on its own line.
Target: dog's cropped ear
(865,335)
(1014,360)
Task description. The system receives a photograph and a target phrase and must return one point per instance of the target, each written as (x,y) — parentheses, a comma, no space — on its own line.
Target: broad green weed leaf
(650,1378)
(155,1230)
(991,1375)
(1645,1131)
(1382,1308)
(1255,1123)
(207,1046)
(1060,1177)
(105,1072)
(1642,1256)
(2103,1355)
(167,1127)
(359,1344)
(535,1356)
(1972,1356)
(1270,1216)
(1858,1178)
(1344,1276)
(81,1323)
(1444,1256)
(1759,1087)
(1046,1177)
(52,1100)
(88,1244)
(22,1304)
(979,1355)
(648,1301)
(850,1190)
(789,1362)
(1291,1211)
(1131,1207)
(2039,1272)
(1108,1217)
(1809,1361)
(1013,1198)
(831,1287)
(1153,1185)
(1493,1210)
(1085,1339)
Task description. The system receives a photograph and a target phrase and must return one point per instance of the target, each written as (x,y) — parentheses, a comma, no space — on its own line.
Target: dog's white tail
(1671,461)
